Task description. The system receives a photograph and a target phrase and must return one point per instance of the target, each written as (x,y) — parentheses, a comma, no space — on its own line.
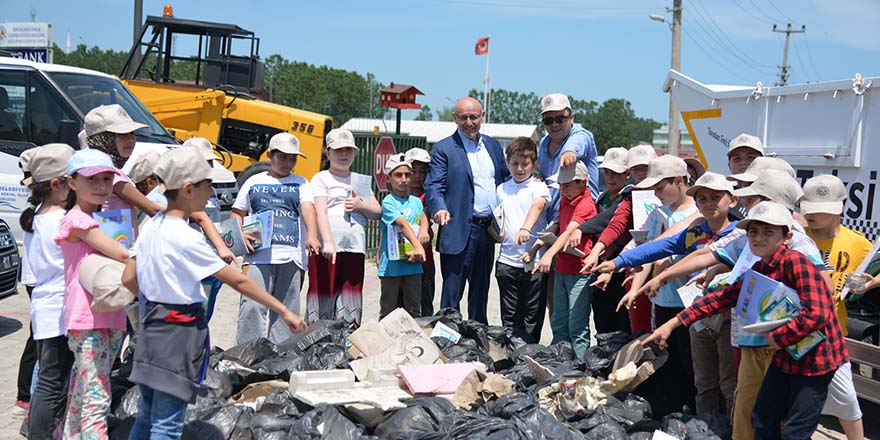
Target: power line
(711,56)
(803,74)
(721,45)
(724,35)
(781,13)
(761,10)
(747,11)
(810,56)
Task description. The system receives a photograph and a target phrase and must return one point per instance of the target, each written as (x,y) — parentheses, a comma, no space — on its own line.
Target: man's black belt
(482,221)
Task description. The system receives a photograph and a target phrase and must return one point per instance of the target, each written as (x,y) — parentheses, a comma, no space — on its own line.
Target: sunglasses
(549,120)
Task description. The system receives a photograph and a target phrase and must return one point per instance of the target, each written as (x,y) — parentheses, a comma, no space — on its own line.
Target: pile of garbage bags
(245,394)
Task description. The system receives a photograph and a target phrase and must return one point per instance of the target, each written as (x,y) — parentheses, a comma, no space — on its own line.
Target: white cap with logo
(340,138)
(768,212)
(395,161)
(761,164)
(285,143)
(641,154)
(663,167)
(745,140)
(47,162)
(112,118)
(418,155)
(554,102)
(144,167)
(577,171)
(615,159)
(713,181)
(823,194)
(203,146)
(777,186)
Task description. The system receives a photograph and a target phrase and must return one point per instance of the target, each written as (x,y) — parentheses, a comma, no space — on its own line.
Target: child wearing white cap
(404,218)
(279,267)
(336,276)
(419,159)
(94,337)
(41,221)
(843,249)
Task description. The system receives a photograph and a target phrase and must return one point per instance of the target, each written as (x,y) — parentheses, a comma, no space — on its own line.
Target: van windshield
(88,92)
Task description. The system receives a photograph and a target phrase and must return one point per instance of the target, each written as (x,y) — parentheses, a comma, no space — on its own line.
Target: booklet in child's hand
(361,184)
(758,293)
(259,227)
(232,237)
(117,224)
(397,244)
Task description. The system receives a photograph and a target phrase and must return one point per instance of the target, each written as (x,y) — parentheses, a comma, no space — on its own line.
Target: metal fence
(364,163)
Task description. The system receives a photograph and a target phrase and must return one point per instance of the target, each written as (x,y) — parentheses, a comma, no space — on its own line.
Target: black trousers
(794,401)
(50,394)
(523,300)
(26,363)
(606,318)
(675,379)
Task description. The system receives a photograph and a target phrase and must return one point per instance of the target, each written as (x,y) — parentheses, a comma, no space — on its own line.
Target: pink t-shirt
(115,202)
(78,313)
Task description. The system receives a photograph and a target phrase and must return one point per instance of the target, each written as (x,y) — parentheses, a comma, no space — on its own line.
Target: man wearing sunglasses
(464,171)
(564,144)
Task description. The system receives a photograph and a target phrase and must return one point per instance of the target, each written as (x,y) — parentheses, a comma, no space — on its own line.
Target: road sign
(384,151)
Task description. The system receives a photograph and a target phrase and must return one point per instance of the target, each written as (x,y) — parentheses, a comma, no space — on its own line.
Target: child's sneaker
(21,408)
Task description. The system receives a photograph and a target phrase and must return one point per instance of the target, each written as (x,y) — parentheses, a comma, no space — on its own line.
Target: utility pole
(138,24)
(674,135)
(783,69)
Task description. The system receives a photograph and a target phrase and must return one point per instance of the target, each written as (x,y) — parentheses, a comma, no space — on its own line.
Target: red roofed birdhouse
(400,96)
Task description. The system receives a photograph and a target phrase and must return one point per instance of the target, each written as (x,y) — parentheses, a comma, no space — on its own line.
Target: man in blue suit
(465,169)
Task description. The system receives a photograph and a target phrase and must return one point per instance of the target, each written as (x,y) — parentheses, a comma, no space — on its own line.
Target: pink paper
(435,378)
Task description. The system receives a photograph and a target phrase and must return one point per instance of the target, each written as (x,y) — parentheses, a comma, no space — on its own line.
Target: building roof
(434,131)
(400,88)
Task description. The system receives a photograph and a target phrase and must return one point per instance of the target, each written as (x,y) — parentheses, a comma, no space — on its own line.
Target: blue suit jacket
(450,186)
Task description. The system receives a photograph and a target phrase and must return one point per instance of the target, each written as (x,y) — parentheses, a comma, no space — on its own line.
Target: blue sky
(589,49)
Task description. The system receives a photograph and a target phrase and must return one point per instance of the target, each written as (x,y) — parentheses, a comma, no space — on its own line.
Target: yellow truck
(216,91)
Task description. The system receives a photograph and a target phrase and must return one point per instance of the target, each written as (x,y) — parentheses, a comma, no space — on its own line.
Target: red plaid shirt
(817,313)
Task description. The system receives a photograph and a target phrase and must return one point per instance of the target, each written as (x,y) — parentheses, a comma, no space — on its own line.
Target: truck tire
(254,168)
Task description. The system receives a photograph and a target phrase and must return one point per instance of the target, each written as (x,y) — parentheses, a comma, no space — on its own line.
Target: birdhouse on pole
(400,96)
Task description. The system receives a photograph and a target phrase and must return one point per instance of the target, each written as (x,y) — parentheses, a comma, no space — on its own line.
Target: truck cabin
(218,55)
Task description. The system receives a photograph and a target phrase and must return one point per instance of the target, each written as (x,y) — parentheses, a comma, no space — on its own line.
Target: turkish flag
(482,47)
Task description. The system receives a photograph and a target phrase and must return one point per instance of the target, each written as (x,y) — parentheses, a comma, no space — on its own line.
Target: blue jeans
(160,416)
(570,320)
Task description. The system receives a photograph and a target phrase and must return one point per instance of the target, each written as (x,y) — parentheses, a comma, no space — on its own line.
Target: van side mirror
(68,133)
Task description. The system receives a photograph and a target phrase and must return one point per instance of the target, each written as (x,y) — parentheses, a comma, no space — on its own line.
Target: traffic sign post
(384,151)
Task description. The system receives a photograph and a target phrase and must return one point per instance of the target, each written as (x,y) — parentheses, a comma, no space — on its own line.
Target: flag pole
(487,89)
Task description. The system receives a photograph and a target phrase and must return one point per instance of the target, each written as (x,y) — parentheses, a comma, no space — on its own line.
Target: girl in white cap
(41,222)
(336,276)
(94,337)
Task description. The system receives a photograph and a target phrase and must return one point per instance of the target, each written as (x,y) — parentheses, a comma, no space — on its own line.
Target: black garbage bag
(280,401)
(641,435)
(422,414)
(475,331)
(325,356)
(463,353)
(450,313)
(323,330)
(128,405)
(606,431)
(547,356)
(251,353)
(698,429)
(674,426)
(644,425)
(271,426)
(119,429)
(229,422)
(622,414)
(216,384)
(600,357)
(595,419)
(333,423)
(532,421)
(468,426)
(279,366)
(442,342)
(719,424)
(203,408)
(638,403)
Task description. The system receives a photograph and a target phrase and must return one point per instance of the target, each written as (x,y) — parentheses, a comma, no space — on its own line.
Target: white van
(45,103)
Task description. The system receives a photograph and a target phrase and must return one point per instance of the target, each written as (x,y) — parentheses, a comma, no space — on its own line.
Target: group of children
(178,260)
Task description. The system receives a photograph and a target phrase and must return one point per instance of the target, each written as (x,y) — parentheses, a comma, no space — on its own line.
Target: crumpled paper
(480,387)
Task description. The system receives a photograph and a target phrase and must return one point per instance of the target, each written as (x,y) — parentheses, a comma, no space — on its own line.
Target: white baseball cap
(285,143)
(144,167)
(696,164)
(418,155)
(713,181)
(578,171)
(823,194)
(640,155)
(554,102)
(663,167)
(759,165)
(182,165)
(395,161)
(112,118)
(203,146)
(615,159)
(47,162)
(767,212)
(745,140)
(340,138)
(777,186)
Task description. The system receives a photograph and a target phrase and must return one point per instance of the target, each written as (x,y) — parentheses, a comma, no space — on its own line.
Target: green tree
(444,114)
(425,114)
(615,124)
(509,107)
(107,61)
